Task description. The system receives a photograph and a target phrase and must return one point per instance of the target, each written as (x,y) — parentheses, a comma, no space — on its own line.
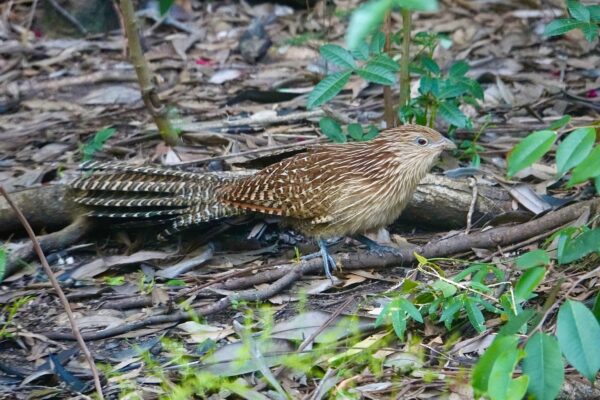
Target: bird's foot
(328,261)
(377,248)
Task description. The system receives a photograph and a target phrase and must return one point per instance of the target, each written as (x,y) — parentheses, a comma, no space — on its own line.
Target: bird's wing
(297,187)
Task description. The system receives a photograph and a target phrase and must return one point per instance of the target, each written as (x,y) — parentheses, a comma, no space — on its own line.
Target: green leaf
(365,20)
(588,168)
(399,323)
(409,309)
(532,259)
(385,61)
(480,378)
(501,386)
(452,114)
(361,51)
(590,31)
(338,55)
(578,11)
(575,148)
(97,142)
(580,246)
(373,131)
(474,315)
(2,263)
(332,130)
(383,314)
(454,89)
(419,5)
(595,308)
(328,88)
(515,323)
(530,150)
(594,13)
(447,289)
(544,366)
(377,43)
(377,74)
(164,6)
(355,131)
(597,184)
(458,69)
(559,123)
(578,334)
(528,282)
(430,65)
(562,25)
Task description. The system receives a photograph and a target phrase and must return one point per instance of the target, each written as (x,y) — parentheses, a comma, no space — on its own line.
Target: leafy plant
(96,143)
(576,154)
(439,93)
(8,313)
(585,18)
(334,131)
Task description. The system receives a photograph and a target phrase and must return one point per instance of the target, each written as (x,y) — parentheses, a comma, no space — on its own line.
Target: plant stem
(388,104)
(142,69)
(405,61)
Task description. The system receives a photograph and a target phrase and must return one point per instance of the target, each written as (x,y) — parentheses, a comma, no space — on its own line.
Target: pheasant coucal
(331,190)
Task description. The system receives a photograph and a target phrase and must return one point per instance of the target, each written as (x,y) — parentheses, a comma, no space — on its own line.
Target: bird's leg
(377,248)
(328,261)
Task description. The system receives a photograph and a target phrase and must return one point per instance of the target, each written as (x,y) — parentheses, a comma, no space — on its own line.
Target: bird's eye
(421,141)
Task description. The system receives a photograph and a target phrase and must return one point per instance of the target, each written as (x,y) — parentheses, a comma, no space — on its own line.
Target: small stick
(473,184)
(59,292)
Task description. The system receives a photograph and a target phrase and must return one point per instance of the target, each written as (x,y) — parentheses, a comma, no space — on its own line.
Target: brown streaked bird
(331,190)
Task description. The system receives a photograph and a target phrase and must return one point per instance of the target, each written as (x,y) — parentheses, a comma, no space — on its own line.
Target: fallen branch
(284,275)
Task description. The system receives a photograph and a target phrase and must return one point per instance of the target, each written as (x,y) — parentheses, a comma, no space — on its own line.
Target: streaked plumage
(331,190)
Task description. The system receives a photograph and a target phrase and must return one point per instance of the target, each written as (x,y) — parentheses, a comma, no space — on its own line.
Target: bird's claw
(379,249)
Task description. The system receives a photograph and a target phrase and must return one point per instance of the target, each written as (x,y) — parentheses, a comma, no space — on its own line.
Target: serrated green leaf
(578,334)
(575,148)
(453,89)
(328,88)
(409,309)
(587,169)
(579,247)
(578,11)
(530,280)
(429,85)
(562,25)
(590,31)
(377,43)
(458,69)
(385,61)
(332,130)
(532,259)
(530,150)
(355,131)
(480,379)
(559,123)
(361,51)
(430,65)
(544,365)
(452,114)
(338,55)
(377,74)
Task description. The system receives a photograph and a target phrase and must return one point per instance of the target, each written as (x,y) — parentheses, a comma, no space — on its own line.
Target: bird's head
(416,141)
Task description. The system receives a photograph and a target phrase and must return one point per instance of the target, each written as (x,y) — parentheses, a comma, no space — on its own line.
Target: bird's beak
(446,144)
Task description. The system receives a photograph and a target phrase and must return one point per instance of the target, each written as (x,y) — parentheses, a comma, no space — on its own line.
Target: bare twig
(148,89)
(59,292)
(405,60)
(473,184)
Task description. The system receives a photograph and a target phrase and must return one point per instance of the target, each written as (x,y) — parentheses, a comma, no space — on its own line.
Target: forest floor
(155,315)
